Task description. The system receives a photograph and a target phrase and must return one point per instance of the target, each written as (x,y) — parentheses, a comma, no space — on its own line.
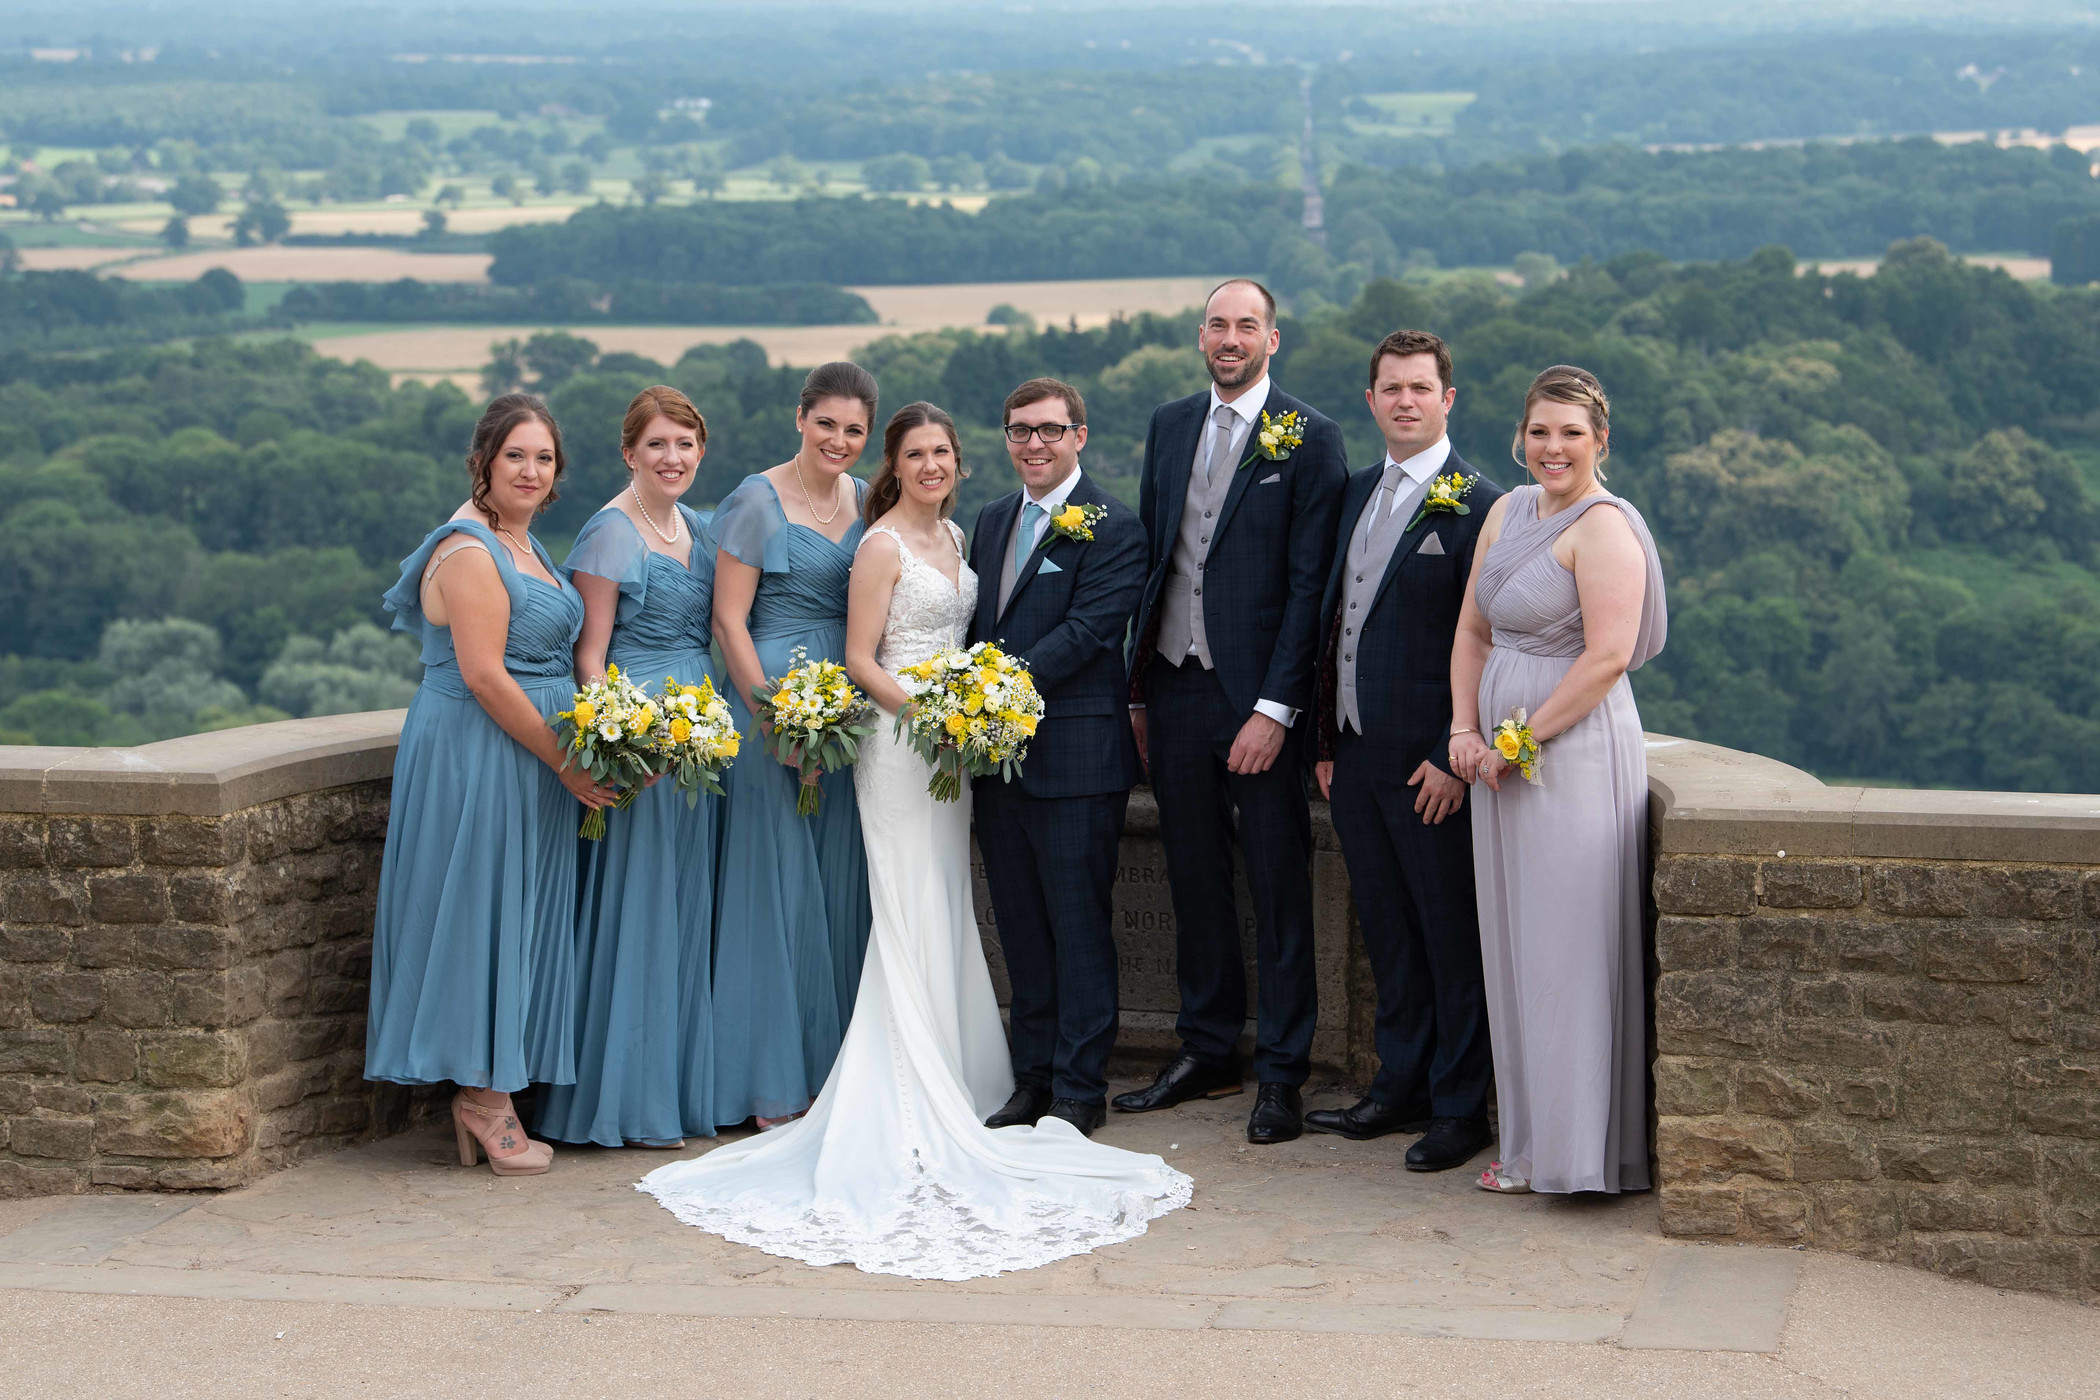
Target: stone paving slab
(1321,1235)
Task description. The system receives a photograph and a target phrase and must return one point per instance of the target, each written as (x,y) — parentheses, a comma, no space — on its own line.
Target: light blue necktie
(1024,534)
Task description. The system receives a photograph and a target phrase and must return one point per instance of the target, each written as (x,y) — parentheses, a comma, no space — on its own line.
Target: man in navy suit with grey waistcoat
(1240,520)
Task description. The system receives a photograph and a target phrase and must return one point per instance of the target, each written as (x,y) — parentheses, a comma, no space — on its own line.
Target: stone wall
(184,956)
(1878,1022)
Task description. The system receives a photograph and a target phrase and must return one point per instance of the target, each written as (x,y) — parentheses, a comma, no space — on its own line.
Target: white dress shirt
(1419,469)
(1050,504)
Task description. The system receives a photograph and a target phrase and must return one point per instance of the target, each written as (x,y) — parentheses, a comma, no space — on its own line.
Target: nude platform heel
(484,1131)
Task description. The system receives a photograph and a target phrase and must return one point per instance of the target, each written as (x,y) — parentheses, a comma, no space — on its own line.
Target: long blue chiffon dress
(646,899)
(473,946)
(791,906)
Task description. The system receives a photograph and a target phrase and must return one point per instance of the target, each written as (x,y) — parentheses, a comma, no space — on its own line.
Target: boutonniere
(1077,522)
(1447,495)
(1278,437)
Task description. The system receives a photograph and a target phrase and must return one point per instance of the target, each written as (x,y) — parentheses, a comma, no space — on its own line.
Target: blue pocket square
(1049,567)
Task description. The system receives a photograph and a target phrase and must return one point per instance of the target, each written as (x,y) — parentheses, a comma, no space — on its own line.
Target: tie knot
(1393,473)
(1223,417)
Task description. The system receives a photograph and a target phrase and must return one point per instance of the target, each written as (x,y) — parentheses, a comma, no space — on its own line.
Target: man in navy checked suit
(1228,644)
(1049,839)
(1384,716)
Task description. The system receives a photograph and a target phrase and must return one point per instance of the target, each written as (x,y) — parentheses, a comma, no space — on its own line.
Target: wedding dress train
(892,1168)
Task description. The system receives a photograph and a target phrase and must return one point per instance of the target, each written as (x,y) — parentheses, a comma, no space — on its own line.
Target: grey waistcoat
(1181,596)
(1370,554)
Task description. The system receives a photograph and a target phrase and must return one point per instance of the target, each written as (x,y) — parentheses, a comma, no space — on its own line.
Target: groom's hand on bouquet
(1439,796)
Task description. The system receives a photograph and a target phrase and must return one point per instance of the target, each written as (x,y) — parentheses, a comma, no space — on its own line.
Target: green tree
(195,194)
(896,173)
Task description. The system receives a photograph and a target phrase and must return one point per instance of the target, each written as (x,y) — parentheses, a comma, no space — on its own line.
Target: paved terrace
(1318,1267)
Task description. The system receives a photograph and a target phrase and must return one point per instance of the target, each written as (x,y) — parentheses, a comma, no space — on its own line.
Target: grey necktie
(1385,524)
(1220,441)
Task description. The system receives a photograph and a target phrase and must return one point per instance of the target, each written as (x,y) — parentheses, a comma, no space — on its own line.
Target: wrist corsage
(1515,742)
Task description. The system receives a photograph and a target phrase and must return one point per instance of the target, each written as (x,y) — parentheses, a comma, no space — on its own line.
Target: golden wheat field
(402,218)
(279,264)
(458,352)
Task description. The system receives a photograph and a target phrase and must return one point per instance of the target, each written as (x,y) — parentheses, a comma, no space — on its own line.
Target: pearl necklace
(835,506)
(677,523)
(516,547)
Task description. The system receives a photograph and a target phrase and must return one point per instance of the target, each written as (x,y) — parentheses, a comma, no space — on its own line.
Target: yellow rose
(956,724)
(1027,724)
(1508,744)
(1071,517)
(691,691)
(784,697)
(681,730)
(585,712)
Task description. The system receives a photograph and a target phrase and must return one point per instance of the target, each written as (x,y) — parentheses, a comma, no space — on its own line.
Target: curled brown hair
(659,401)
(498,421)
(886,490)
(1573,385)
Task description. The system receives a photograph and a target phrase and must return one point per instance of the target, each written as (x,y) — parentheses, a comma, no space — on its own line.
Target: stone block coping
(1706,800)
(1703,799)
(202,775)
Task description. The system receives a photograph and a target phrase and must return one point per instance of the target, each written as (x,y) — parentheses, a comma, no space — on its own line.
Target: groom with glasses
(1069,560)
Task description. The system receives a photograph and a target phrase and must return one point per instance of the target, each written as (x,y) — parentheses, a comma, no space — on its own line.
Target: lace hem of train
(928,1231)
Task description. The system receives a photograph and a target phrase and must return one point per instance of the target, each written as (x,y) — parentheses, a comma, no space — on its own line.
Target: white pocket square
(1270,480)
(1049,567)
(1431,545)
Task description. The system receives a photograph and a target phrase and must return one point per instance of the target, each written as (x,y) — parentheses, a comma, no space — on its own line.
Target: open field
(2023,266)
(280,264)
(402,218)
(457,352)
(79,259)
(1413,113)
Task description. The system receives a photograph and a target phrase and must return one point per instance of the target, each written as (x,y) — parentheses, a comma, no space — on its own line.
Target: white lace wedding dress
(892,1168)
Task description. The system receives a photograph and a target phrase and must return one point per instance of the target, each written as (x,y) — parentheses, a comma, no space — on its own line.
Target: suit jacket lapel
(999,532)
(1278,403)
(1034,562)
(1176,466)
(1412,540)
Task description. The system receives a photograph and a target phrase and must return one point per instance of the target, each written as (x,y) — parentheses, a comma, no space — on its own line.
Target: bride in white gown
(892,1168)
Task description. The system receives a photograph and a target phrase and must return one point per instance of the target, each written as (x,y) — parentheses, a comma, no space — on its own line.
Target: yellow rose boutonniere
(1447,495)
(1077,522)
(1277,438)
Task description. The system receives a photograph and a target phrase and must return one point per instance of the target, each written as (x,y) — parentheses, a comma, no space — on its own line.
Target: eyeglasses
(1018,433)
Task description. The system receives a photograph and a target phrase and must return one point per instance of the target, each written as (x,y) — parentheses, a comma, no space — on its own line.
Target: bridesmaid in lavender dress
(1565,600)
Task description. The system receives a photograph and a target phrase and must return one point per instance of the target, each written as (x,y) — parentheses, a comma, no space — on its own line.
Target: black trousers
(1190,727)
(1051,866)
(1414,892)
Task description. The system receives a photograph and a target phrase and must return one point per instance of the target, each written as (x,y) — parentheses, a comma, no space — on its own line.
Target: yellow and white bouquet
(698,736)
(816,717)
(610,733)
(972,713)
(1513,740)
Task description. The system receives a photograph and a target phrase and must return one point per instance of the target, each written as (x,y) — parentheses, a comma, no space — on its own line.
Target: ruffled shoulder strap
(609,547)
(405,599)
(751,526)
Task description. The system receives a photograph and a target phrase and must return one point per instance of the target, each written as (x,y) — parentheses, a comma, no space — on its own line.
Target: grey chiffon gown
(1558,867)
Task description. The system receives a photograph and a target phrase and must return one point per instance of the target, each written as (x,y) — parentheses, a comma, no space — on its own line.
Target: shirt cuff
(1137,704)
(1282,714)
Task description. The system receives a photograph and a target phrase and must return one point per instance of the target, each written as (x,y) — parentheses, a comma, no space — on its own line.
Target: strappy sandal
(1503,1183)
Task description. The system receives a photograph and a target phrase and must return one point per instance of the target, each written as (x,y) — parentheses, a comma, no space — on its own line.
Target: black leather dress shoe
(1084,1116)
(1367,1118)
(1184,1078)
(1279,1114)
(1027,1105)
(1450,1142)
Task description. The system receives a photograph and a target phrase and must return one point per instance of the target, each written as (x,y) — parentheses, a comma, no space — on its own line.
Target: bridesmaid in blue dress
(645,567)
(473,947)
(791,912)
